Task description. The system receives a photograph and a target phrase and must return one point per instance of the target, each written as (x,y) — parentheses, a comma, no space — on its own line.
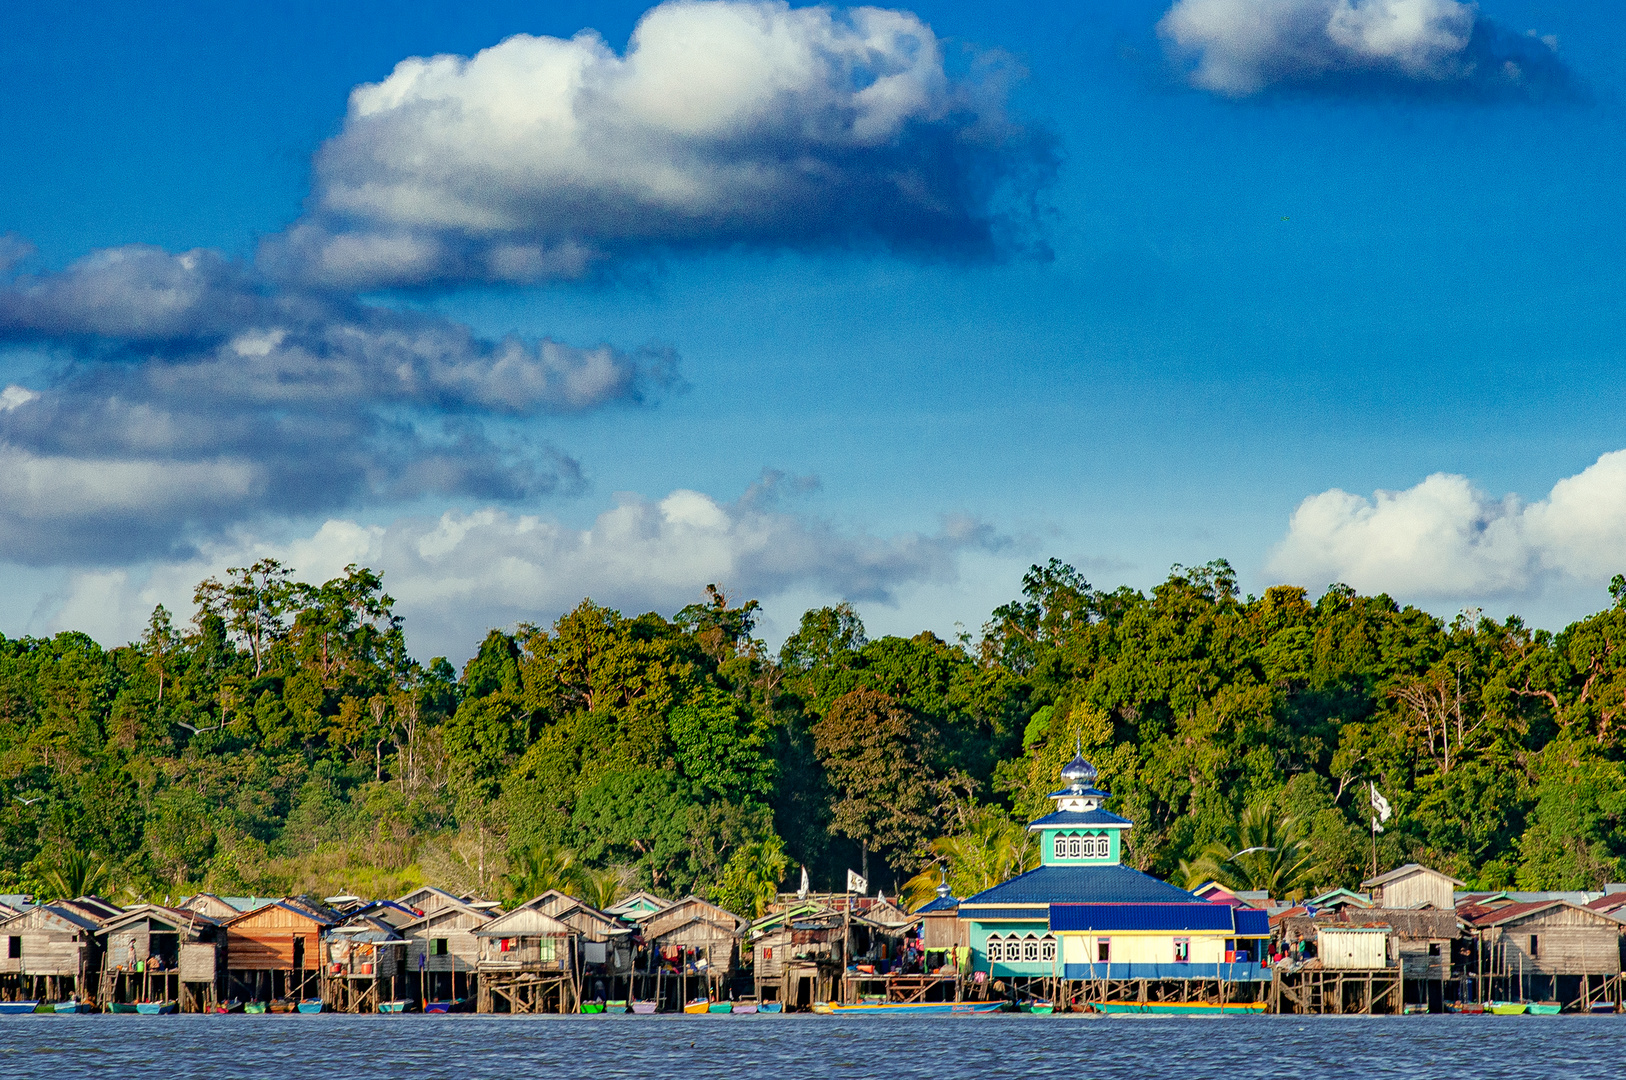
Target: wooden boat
(1414,1010)
(399,1006)
(746,1007)
(158,1008)
(1467,1008)
(1181,1008)
(452,1006)
(643,1008)
(771,1007)
(592,1006)
(823,1008)
(1546,1008)
(224,1007)
(312,1005)
(899,1008)
(255,1007)
(698,1006)
(71,1006)
(282,1005)
(615,1006)
(1507,1008)
(13,1008)
(120,1007)
(720,1007)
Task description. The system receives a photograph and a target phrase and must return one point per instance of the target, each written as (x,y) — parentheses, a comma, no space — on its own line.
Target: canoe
(312,1005)
(720,1007)
(1414,1010)
(73,1007)
(697,1007)
(823,1008)
(232,1006)
(1180,1008)
(592,1006)
(1546,1008)
(282,1007)
(12,1008)
(121,1007)
(394,1006)
(615,1006)
(746,1007)
(1472,1008)
(643,1008)
(255,1007)
(771,1007)
(1507,1008)
(157,1008)
(899,1008)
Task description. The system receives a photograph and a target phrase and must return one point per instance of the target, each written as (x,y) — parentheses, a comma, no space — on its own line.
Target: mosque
(1082,914)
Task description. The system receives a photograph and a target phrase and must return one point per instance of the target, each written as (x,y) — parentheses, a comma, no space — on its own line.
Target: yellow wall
(1143,947)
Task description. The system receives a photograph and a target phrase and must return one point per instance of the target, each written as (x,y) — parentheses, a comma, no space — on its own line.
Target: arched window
(996,950)
(1047,949)
(1030,951)
(1061,847)
(1072,847)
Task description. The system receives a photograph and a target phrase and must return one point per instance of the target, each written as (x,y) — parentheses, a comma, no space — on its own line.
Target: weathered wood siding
(1418,887)
(944,932)
(200,962)
(457,927)
(1569,941)
(264,940)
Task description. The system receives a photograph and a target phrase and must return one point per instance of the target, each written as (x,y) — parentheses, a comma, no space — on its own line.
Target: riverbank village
(1080,932)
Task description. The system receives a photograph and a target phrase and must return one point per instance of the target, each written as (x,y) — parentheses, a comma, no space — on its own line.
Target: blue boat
(157,1008)
(311,1005)
(73,1007)
(770,1007)
(13,1008)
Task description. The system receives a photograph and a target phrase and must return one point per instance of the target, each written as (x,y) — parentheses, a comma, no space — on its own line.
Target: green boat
(592,1006)
(255,1007)
(121,1007)
(721,1007)
(615,1006)
(1038,1008)
(1546,1008)
(1507,1008)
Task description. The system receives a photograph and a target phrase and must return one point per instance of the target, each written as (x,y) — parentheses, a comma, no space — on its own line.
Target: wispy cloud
(724,123)
(1446,538)
(458,574)
(1242,47)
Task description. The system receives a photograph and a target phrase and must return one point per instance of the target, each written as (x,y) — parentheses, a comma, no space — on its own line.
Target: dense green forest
(284,741)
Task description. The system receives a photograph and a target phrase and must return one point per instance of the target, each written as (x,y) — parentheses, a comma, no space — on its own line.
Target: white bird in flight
(28,802)
(199,730)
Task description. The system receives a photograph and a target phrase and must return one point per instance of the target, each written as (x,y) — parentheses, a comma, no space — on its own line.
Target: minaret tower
(1079,832)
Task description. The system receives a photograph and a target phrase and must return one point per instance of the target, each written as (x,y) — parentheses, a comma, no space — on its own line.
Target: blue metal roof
(1079,817)
(1252,923)
(1037,913)
(1199,915)
(1081,793)
(939,903)
(1109,883)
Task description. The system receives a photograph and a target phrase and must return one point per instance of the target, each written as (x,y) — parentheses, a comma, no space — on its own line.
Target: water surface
(337,1047)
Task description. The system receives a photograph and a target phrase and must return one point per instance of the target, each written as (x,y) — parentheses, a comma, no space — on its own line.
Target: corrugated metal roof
(1251,922)
(1199,915)
(1105,884)
(939,903)
(1036,913)
(1063,818)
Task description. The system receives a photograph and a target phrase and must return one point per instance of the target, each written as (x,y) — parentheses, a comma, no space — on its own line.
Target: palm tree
(751,879)
(77,873)
(993,849)
(540,868)
(1264,852)
(601,888)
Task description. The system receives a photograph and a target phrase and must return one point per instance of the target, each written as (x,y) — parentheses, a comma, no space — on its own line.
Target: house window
(1030,951)
(1047,949)
(1434,948)
(1182,950)
(14,949)
(1535,947)
(1103,950)
(1073,847)
(437,946)
(545,950)
(996,950)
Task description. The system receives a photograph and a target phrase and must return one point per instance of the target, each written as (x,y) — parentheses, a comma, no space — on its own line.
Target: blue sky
(1292,254)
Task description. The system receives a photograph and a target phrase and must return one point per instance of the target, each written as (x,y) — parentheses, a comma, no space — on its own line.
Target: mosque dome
(1079,773)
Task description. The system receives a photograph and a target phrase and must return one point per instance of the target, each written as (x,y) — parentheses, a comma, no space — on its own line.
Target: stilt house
(443,953)
(155,953)
(274,952)
(51,954)
(528,964)
(700,941)
(1544,951)
(363,964)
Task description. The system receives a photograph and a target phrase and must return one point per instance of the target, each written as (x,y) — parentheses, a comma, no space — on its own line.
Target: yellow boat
(700,1006)
(823,1008)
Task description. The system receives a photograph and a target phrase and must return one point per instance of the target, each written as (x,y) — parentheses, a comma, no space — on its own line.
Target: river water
(336,1047)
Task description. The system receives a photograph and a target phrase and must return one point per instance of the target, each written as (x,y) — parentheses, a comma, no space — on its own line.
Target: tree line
(283,740)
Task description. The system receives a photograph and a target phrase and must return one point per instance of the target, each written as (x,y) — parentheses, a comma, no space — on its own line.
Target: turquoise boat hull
(311,1005)
(157,1008)
(73,1007)
(771,1007)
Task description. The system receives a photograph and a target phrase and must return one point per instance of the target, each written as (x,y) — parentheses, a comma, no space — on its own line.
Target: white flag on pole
(801,894)
(857,884)
(1381,811)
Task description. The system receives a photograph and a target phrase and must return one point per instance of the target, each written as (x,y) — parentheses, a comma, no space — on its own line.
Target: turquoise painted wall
(1047,847)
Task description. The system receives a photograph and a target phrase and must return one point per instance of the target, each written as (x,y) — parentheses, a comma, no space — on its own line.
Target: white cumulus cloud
(1240,47)
(724,122)
(1446,538)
